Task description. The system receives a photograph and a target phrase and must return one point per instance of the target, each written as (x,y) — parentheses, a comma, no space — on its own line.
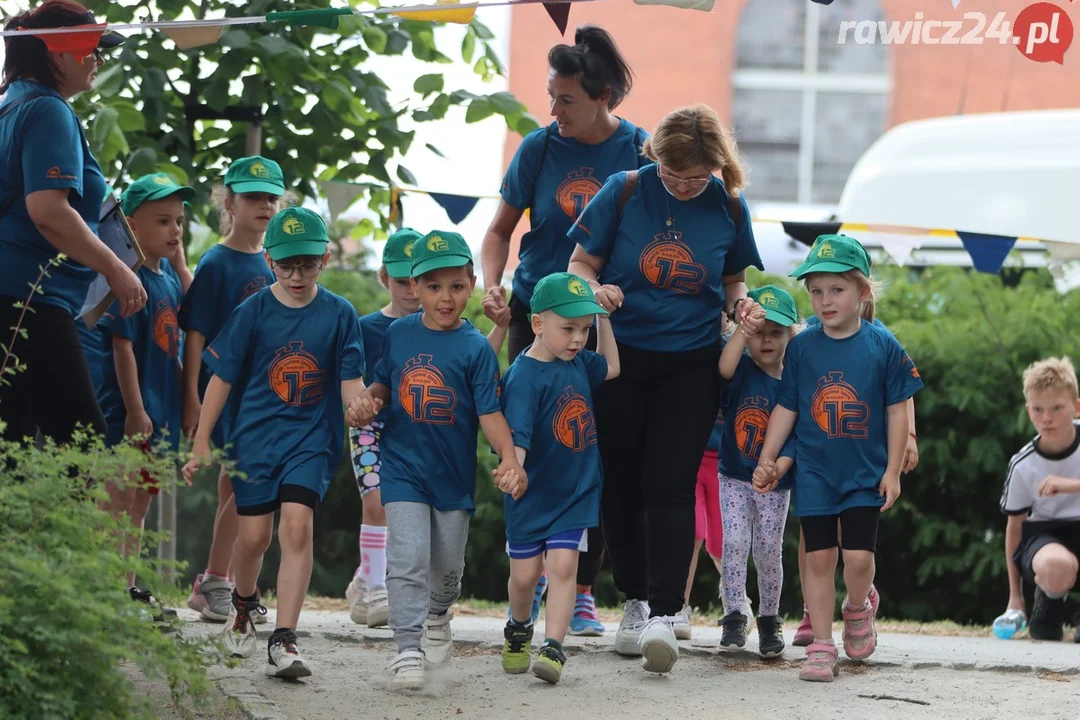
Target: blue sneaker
(538,595)
(584,622)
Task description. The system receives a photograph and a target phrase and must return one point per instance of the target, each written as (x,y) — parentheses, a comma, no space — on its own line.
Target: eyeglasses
(98,55)
(307,270)
(693,183)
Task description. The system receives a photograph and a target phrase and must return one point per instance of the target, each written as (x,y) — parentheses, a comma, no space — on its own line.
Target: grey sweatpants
(425,559)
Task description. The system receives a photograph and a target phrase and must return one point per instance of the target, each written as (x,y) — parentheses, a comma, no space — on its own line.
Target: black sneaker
(770,637)
(1047,617)
(734,630)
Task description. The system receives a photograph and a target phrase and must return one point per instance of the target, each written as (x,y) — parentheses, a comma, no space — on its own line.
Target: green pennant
(327,18)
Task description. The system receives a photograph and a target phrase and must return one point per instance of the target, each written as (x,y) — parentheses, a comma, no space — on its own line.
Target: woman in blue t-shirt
(554,174)
(51,191)
(668,245)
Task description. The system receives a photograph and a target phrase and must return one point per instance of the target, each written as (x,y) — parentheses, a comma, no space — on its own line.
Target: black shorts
(289,493)
(1037,535)
(858,530)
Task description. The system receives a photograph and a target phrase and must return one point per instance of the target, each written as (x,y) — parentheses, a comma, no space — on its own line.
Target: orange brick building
(803,105)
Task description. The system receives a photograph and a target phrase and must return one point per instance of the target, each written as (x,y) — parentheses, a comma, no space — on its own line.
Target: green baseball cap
(566,295)
(295,231)
(835,254)
(778,304)
(152,187)
(438,250)
(397,255)
(255,175)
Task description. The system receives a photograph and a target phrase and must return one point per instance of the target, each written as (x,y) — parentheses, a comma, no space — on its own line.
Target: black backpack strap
(7,108)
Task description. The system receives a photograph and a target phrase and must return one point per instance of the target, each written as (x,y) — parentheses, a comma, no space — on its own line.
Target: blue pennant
(988,252)
(457,207)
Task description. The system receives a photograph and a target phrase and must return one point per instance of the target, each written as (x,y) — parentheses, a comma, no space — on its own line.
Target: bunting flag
(459,15)
(190,38)
(340,196)
(78,40)
(457,207)
(988,252)
(560,14)
(705,5)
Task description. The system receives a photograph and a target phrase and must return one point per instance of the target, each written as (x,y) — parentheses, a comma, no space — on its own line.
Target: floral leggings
(751,519)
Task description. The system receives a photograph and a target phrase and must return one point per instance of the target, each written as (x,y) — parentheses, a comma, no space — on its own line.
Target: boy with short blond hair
(1042,498)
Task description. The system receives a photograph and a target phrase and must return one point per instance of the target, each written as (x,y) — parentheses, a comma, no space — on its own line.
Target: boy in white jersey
(1042,499)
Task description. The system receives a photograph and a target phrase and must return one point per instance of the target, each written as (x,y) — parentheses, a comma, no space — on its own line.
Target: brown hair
(27,57)
(695,136)
(1051,374)
(221,193)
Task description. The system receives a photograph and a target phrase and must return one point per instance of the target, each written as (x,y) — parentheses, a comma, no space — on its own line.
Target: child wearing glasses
(291,355)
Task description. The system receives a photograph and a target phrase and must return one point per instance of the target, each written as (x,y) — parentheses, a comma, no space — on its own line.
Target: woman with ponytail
(554,174)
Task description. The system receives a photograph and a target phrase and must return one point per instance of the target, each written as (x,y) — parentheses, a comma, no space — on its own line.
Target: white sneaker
(748,611)
(628,636)
(659,648)
(407,670)
(285,660)
(681,623)
(354,593)
(437,640)
(378,607)
(239,634)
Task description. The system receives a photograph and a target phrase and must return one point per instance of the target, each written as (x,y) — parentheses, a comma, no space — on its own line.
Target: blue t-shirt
(549,408)
(440,383)
(154,333)
(556,187)
(841,390)
(286,366)
(93,344)
(672,276)
(374,326)
(748,399)
(54,156)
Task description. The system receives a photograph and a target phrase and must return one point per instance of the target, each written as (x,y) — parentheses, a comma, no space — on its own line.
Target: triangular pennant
(1062,252)
(988,252)
(79,44)
(326,17)
(188,38)
(396,211)
(560,13)
(705,5)
(807,232)
(461,16)
(457,207)
(340,196)
(899,247)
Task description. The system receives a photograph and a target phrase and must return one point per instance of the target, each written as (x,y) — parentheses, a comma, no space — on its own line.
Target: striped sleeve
(1018,495)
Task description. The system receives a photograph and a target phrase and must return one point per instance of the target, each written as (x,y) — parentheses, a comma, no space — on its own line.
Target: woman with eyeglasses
(555,172)
(51,192)
(668,245)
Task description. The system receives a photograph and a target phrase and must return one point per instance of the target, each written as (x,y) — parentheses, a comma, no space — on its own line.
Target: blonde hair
(695,136)
(1051,374)
(221,193)
(873,288)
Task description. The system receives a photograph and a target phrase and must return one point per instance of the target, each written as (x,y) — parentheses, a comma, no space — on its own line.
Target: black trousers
(653,424)
(54,394)
(519,337)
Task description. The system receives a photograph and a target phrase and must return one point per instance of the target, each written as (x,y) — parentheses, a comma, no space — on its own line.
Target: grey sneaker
(239,634)
(284,659)
(216,595)
(628,636)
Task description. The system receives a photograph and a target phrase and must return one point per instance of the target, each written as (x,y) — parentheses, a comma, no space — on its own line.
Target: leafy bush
(67,624)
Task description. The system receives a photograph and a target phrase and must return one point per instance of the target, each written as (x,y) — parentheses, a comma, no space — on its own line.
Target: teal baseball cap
(255,174)
(438,250)
(566,295)
(834,254)
(152,187)
(296,231)
(397,256)
(778,304)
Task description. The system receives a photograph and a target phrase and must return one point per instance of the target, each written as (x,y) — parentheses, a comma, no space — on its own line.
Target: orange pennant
(79,44)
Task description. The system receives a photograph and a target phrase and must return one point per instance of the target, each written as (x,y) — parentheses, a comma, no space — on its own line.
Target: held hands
(363,410)
(138,423)
(495,307)
(766,477)
(609,297)
(890,489)
(199,454)
(751,317)
(1054,484)
(511,479)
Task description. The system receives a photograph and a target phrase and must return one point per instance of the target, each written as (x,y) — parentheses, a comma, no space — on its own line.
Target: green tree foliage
(325,115)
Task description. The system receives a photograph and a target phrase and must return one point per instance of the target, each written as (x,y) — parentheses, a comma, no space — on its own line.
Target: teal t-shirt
(748,399)
(549,408)
(841,390)
(42,147)
(440,383)
(556,185)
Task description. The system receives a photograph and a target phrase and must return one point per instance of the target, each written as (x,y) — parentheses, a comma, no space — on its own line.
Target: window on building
(805,107)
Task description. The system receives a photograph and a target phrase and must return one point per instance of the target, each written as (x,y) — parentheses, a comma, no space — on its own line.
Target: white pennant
(705,5)
(339,196)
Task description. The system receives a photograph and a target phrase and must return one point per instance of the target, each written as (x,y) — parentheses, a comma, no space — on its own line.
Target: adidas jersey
(1027,469)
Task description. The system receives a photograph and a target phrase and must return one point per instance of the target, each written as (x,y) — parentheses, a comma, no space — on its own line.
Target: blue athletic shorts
(305,483)
(568,540)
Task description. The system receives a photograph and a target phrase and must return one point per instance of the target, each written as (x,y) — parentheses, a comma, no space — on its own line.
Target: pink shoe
(804,635)
(860,635)
(872,596)
(196,601)
(822,663)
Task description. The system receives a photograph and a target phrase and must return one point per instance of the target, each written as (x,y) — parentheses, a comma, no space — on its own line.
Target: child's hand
(363,410)
(752,317)
(890,489)
(511,479)
(199,454)
(1054,484)
(609,297)
(911,455)
(496,309)
(766,477)
(138,423)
